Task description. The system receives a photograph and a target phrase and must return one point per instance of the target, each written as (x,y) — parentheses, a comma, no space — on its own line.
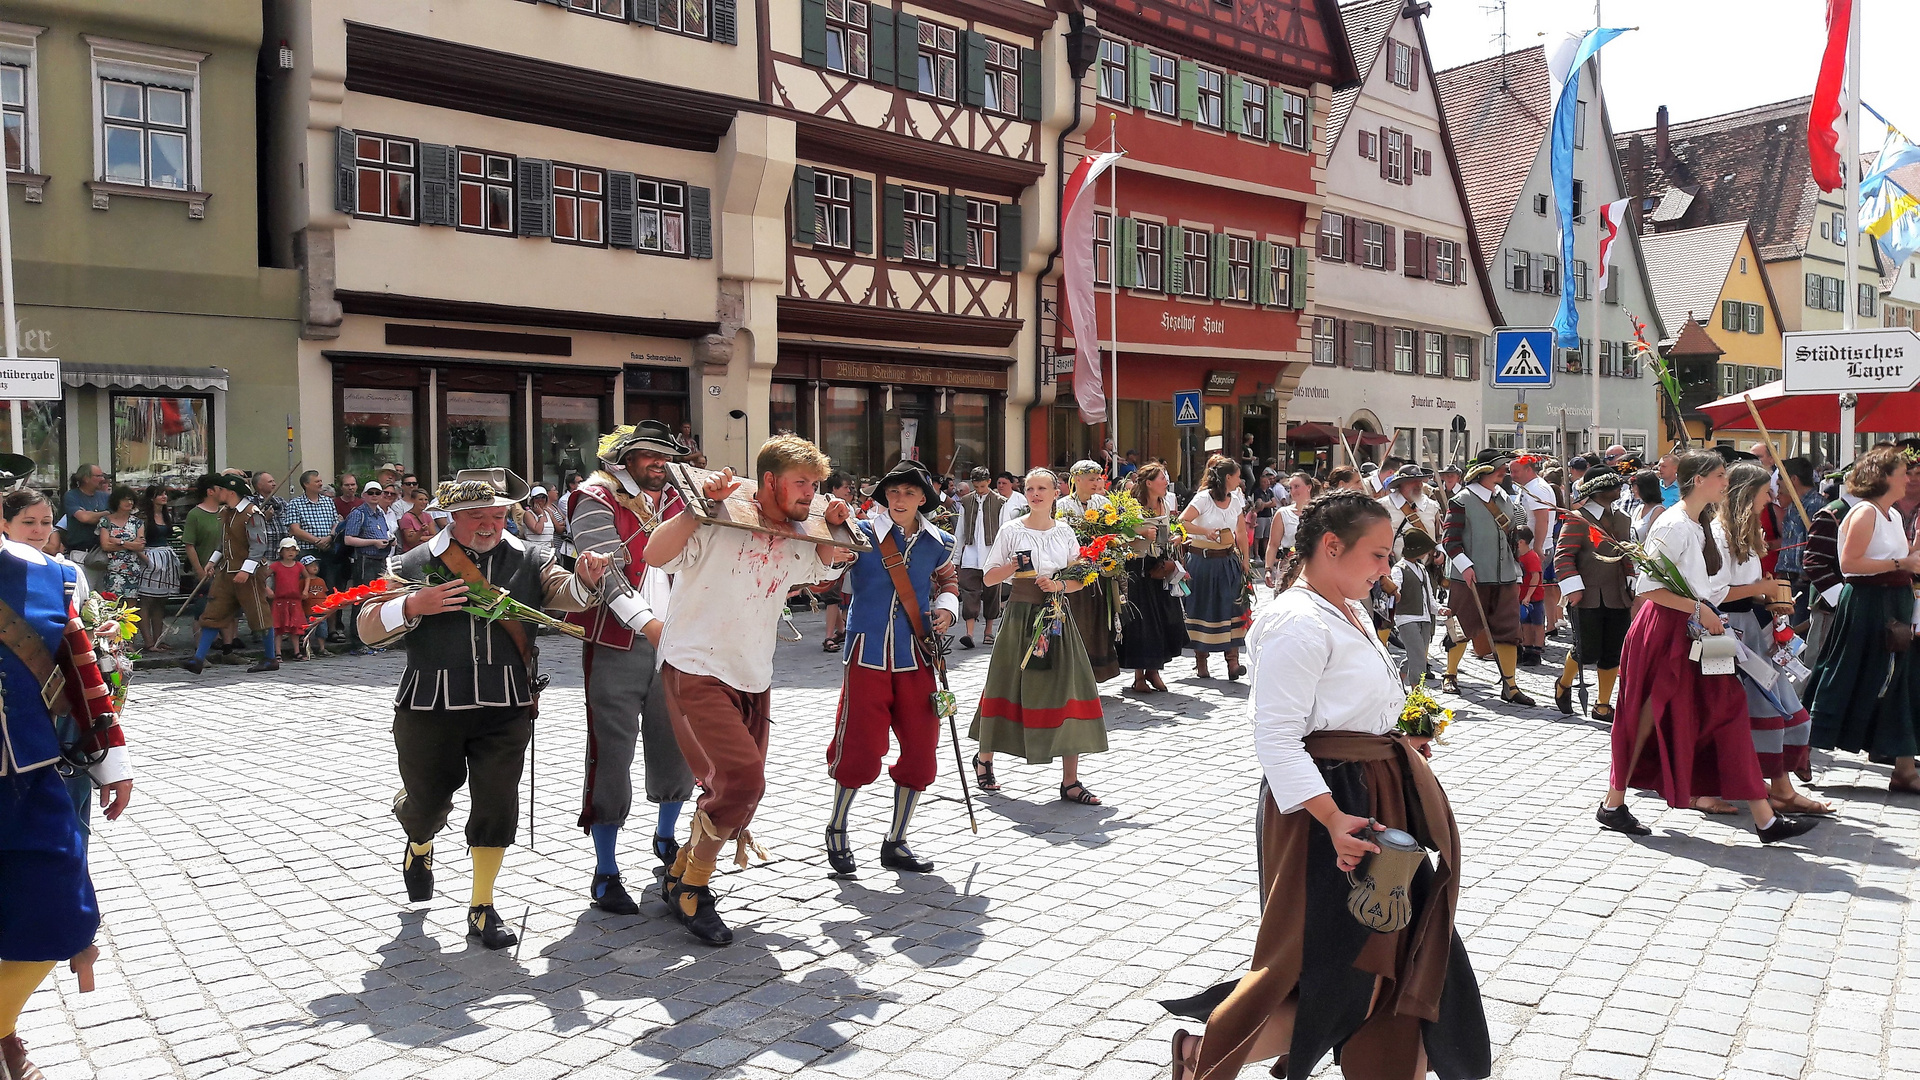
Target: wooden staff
(1778,462)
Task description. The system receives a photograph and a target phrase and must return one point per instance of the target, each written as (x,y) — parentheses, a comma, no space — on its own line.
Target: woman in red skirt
(1677,731)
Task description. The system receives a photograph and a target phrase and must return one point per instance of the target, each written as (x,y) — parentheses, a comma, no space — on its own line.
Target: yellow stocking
(699,872)
(1509,659)
(1382,633)
(1571,673)
(18,980)
(486,867)
(1607,676)
(1454,656)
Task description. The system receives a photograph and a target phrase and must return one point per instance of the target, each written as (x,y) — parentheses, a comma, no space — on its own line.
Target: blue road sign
(1186,408)
(1522,357)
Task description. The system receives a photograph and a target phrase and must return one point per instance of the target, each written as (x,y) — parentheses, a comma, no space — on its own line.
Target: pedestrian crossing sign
(1523,357)
(1186,408)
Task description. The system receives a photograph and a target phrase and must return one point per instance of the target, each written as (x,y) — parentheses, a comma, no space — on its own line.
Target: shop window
(1240,268)
(569,434)
(966,433)
(1293,120)
(1462,357)
(1253,110)
(983,231)
(1199,275)
(844,428)
(920,211)
(1323,341)
(1403,341)
(1360,343)
(906,427)
(1499,439)
(940,61)
(660,216)
(656,393)
(1432,446)
(143,135)
(1211,85)
(479,430)
(1113,70)
(1003,78)
(386,171)
(1103,249)
(832,210)
(847,36)
(13,116)
(687,17)
(43,441)
(783,409)
(1403,443)
(1147,256)
(1436,355)
(160,437)
(1333,237)
(378,425)
(486,192)
(1163,78)
(579,205)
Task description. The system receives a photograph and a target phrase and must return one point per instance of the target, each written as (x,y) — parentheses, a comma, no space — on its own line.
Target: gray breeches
(627,706)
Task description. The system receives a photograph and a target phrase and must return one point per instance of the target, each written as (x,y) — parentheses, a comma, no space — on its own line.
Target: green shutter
(1173,257)
(906,38)
(1189,90)
(1236,104)
(345,154)
(1306,114)
(880,49)
(699,222)
(644,12)
(1011,245)
(803,232)
(1262,262)
(1127,247)
(1276,114)
(953,230)
(863,216)
(1299,279)
(893,221)
(1139,77)
(973,63)
(726,22)
(1029,84)
(1222,266)
(813,32)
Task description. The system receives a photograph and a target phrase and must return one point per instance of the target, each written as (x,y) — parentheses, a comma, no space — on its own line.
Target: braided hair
(1690,467)
(1347,515)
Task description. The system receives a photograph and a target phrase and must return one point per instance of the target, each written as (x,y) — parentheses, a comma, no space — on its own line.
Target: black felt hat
(1489,459)
(236,484)
(910,471)
(13,469)
(1733,457)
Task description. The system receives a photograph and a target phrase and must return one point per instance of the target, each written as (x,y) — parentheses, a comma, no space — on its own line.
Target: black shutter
(1029,84)
(863,216)
(813,32)
(1011,248)
(726,22)
(647,12)
(893,221)
(880,47)
(535,193)
(973,65)
(906,41)
(803,230)
(700,220)
(437,205)
(345,143)
(620,209)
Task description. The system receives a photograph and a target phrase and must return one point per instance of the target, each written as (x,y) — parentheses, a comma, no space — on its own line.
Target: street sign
(1522,357)
(1186,408)
(30,379)
(1520,412)
(1839,361)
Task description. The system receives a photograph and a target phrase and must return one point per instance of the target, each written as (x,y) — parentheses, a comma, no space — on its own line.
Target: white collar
(1592,511)
(241,506)
(619,472)
(1415,567)
(21,551)
(438,545)
(921,525)
(1485,493)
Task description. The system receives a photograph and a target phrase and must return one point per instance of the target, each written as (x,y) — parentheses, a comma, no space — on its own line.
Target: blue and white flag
(1564,65)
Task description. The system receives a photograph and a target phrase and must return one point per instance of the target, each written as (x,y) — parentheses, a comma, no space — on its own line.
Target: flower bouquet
(484,601)
(1422,717)
(1652,563)
(111,624)
(1051,619)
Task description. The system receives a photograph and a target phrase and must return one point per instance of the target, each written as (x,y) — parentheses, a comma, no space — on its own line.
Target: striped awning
(144,377)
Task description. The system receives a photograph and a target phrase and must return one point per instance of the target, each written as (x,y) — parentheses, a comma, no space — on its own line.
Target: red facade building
(1219,105)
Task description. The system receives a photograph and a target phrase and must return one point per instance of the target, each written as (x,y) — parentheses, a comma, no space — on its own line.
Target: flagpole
(1113,297)
(1850,166)
(1594,202)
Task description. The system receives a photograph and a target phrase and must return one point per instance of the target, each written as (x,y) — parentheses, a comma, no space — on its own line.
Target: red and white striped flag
(1611,215)
(1823,141)
(1076,277)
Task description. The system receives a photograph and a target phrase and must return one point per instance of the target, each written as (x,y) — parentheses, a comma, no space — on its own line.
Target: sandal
(1708,804)
(983,775)
(831,644)
(1182,1069)
(1084,798)
(1800,804)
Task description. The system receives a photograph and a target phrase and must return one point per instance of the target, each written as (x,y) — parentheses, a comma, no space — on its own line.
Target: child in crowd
(286,579)
(1417,609)
(1533,598)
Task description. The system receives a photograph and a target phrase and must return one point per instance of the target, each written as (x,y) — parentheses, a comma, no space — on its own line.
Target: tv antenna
(1499,7)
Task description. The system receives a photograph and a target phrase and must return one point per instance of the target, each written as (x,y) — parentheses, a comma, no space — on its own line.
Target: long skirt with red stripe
(1701,740)
(1048,708)
(1779,737)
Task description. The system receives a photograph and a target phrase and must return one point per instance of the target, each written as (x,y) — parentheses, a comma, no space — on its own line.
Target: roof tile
(1689,267)
(1497,110)
(1751,165)
(1368,22)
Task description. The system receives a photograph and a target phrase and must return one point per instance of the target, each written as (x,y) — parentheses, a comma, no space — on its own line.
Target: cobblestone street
(256,924)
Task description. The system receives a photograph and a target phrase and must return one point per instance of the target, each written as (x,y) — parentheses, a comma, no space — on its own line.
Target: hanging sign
(1838,361)
(30,379)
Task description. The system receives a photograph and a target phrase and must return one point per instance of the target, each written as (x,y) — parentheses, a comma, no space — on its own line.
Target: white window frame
(1102,248)
(114,60)
(1293,112)
(1197,249)
(1400,64)
(1114,58)
(1251,127)
(1240,268)
(1323,343)
(1406,352)
(939,43)
(847,26)
(1396,157)
(1210,94)
(1433,357)
(19,47)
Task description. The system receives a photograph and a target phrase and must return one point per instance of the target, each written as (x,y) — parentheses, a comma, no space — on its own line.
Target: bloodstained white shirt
(729,587)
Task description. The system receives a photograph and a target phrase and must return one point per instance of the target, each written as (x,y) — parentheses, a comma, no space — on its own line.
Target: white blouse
(1313,670)
(1070,505)
(1289,525)
(1889,534)
(1051,550)
(1680,539)
(1214,516)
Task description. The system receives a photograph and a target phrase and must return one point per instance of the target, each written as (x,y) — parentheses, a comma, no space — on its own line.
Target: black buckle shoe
(194,667)
(485,923)
(1563,698)
(705,922)
(417,872)
(1513,695)
(259,666)
(666,849)
(1786,828)
(840,856)
(1620,820)
(611,896)
(894,855)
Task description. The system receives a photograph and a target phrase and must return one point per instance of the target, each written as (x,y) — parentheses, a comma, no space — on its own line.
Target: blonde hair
(1739,512)
(791,453)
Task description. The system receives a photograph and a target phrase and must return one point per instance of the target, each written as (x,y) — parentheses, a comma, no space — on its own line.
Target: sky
(1699,57)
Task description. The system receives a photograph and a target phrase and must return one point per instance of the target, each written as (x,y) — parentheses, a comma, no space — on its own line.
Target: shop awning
(144,377)
(1893,411)
(1327,435)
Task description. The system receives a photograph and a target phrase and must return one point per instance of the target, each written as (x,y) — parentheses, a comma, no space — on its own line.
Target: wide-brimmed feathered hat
(236,484)
(477,489)
(1489,459)
(652,435)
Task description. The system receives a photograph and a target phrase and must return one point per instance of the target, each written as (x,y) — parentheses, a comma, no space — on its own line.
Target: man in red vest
(612,513)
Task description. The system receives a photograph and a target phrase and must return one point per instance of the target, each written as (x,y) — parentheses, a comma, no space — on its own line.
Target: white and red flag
(1076,241)
(1823,140)
(1611,214)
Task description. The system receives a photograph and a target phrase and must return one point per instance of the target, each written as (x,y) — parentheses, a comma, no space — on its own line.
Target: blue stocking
(206,644)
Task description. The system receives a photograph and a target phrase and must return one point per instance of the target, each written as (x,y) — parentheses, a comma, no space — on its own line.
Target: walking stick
(1767,436)
(935,648)
(1573,625)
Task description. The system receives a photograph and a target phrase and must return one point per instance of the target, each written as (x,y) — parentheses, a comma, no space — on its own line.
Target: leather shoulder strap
(896,565)
(456,560)
(16,635)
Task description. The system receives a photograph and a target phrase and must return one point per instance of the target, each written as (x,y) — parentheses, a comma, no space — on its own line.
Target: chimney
(1660,136)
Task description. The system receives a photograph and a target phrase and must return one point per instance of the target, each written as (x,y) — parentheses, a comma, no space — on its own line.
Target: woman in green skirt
(1862,694)
(1044,706)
